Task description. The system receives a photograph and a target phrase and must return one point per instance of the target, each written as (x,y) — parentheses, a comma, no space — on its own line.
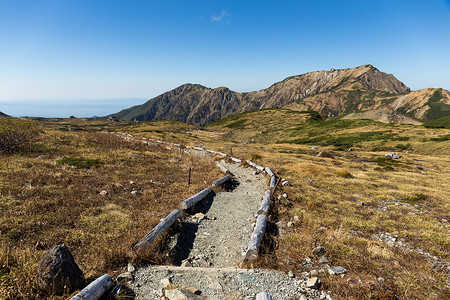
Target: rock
(296,219)
(314,283)
(165,282)
(303,297)
(323,260)
(125,277)
(180,294)
(200,216)
(285,196)
(314,272)
(349,149)
(186,263)
(134,193)
(310,181)
(337,270)
(314,147)
(58,272)
(290,224)
(325,154)
(393,155)
(103,193)
(131,268)
(319,251)
(291,274)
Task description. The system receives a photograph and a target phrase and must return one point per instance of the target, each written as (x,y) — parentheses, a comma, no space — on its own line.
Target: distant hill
(2,115)
(330,93)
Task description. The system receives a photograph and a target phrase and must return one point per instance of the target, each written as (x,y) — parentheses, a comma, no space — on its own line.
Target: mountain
(2,115)
(330,93)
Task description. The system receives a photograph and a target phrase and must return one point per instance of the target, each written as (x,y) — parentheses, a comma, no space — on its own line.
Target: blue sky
(65,50)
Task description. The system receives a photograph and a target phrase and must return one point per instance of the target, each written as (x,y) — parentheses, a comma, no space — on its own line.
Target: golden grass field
(349,203)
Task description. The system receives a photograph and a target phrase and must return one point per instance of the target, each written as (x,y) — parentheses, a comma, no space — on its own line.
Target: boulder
(393,155)
(319,251)
(314,283)
(325,154)
(58,272)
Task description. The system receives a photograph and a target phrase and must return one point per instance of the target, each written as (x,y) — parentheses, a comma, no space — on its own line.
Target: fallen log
(198,148)
(218,182)
(264,208)
(222,168)
(269,172)
(258,167)
(273,181)
(159,229)
(236,160)
(256,238)
(191,201)
(263,296)
(95,289)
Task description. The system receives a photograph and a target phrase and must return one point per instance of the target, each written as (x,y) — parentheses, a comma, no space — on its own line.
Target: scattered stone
(103,193)
(314,272)
(321,229)
(310,181)
(296,219)
(319,251)
(291,274)
(314,147)
(349,149)
(180,294)
(323,260)
(199,216)
(131,268)
(325,154)
(337,270)
(165,282)
(186,263)
(131,182)
(58,272)
(314,283)
(290,224)
(134,193)
(303,297)
(393,155)
(125,277)
(285,196)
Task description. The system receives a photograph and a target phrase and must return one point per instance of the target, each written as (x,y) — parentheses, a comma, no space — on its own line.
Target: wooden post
(256,238)
(159,229)
(263,296)
(191,201)
(265,204)
(258,167)
(189,177)
(222,168)
(236,160)
(218,182)
(231,151)
(96,289)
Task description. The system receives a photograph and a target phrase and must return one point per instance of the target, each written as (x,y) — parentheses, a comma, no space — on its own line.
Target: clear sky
(91,49)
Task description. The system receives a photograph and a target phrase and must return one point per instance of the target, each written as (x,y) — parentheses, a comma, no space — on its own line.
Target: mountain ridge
(331,93)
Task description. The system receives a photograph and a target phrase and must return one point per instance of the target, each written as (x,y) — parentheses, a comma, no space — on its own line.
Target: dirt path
(207,250)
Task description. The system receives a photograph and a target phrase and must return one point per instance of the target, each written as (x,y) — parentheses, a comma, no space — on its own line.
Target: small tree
(17,134)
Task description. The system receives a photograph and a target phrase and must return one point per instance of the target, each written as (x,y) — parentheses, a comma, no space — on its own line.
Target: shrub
(344,173)
(17,134)
(82,163)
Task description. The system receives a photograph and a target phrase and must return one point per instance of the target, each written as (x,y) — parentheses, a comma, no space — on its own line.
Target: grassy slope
(46,201)
(354,198)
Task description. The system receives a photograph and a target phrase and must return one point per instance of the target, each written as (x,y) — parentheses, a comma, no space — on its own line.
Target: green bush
(17,134)
(82,163)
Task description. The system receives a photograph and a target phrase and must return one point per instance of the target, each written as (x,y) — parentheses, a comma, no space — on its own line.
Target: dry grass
(45,203)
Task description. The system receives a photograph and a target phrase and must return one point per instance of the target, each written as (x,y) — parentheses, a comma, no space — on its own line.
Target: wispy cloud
(222,17)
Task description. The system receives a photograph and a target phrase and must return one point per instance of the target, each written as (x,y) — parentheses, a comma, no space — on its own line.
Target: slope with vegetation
(330,93)
(385,220)
(91,190)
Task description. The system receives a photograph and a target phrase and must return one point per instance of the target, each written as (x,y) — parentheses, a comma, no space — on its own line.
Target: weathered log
(273,181)
(218,182)
(269,172)
(256,238)
(263,296)
(96,289)
(191,201)
(159,229)
(265,203)
(198,148)
(222,168)
(258,167)
(236,160)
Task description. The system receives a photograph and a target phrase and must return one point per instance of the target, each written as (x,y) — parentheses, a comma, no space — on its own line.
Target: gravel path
(209,246)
